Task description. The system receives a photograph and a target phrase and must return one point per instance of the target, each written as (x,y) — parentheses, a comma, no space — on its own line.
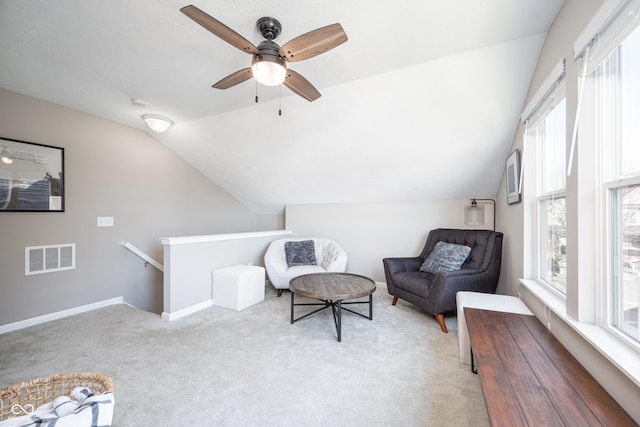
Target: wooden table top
(529,378)
(332,286)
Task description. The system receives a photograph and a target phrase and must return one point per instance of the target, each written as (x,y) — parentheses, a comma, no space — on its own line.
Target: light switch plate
(105,221)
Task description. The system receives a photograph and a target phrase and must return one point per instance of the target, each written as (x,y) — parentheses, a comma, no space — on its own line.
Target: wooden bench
(482,301)
(529,379)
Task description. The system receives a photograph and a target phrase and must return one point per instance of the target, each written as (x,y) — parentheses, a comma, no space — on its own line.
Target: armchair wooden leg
(395,300)
(443,326)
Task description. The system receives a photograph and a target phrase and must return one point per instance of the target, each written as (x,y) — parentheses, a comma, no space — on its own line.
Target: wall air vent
(47,259)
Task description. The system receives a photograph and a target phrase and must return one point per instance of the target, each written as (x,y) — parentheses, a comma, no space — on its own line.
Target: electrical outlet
(105,221)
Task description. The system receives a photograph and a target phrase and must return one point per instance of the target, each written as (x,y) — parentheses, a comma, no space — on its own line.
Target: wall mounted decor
(31,177)
(512,170)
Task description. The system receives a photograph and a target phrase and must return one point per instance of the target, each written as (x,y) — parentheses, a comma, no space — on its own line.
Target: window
(602,191)
(549,141)
(618,101)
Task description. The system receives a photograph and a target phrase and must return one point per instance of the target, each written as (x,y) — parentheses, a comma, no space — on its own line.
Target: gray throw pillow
(445,257)
(300,253)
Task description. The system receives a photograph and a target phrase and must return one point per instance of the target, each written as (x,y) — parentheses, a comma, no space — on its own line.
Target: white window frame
(611,180)
(551,93)
(540,263)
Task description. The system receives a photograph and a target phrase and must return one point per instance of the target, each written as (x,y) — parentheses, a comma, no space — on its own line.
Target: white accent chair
(330,257)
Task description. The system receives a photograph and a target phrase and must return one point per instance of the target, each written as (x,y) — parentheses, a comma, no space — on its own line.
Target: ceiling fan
(269,63)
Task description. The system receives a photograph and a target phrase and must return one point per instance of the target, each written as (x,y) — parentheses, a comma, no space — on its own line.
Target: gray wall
(111,170)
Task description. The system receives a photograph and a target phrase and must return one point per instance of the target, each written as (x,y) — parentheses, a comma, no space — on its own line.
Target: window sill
(621,355)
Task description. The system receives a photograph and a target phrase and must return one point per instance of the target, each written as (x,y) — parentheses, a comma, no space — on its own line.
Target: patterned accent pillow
(300,253)
(445,257)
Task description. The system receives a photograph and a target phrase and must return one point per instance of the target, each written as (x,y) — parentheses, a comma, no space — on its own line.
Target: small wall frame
(512,170)
(31,177)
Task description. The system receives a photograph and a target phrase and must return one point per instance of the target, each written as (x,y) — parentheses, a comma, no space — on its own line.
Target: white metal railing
(146,258)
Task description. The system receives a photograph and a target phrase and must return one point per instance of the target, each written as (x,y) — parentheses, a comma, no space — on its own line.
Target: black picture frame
(31,177)
(512,171)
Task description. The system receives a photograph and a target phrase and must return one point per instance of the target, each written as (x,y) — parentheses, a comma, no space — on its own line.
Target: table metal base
(336,306)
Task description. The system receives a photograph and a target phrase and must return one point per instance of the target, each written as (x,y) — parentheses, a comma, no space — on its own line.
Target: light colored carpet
(253,368)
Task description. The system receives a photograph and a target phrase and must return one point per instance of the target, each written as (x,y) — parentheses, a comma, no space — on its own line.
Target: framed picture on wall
(512,170)
(31,177)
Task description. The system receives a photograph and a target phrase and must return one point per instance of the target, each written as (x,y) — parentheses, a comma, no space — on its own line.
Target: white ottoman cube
(238,287)
(504,303)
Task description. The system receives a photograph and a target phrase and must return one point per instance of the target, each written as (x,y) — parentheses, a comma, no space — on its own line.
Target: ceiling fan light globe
(269,70)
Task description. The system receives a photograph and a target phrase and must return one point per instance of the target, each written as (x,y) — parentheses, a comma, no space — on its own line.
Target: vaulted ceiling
(421,103)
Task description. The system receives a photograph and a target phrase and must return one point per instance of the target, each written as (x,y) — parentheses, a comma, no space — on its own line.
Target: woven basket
(44,389)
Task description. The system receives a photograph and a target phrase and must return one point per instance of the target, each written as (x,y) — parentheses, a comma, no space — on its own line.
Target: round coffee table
(332,289)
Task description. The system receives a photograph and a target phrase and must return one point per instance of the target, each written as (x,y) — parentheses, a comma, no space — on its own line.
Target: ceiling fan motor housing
(267,47)
(269,27)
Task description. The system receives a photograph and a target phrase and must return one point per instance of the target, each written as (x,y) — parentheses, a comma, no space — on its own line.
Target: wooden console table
(529,378)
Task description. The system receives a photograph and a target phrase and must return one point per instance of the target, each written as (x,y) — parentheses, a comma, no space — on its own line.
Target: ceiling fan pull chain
(280,102)
(256,91)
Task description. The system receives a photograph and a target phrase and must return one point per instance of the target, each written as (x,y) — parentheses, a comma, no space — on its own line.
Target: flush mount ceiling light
(5,156)
(157,123)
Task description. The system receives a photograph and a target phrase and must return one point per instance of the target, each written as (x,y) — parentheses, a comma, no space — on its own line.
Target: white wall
(374,139)
(271,221)
(369,232)
(189,262)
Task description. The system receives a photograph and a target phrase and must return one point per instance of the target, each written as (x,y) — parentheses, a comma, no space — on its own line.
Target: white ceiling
(421,103)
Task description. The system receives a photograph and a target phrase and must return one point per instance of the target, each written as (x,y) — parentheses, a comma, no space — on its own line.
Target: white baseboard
(186,311)
(58,315)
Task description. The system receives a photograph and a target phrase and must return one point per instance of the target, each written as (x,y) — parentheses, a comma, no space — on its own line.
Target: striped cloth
(81,408)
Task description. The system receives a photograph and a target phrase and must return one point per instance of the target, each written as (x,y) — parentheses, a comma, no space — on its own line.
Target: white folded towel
(64,405)
(80,394)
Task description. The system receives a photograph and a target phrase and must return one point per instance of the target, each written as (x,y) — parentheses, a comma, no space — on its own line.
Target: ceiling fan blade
(301,86)
(313,43)
(234,79)
(219,29)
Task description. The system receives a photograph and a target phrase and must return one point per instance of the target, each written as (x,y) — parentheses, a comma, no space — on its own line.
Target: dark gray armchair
(436,293)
